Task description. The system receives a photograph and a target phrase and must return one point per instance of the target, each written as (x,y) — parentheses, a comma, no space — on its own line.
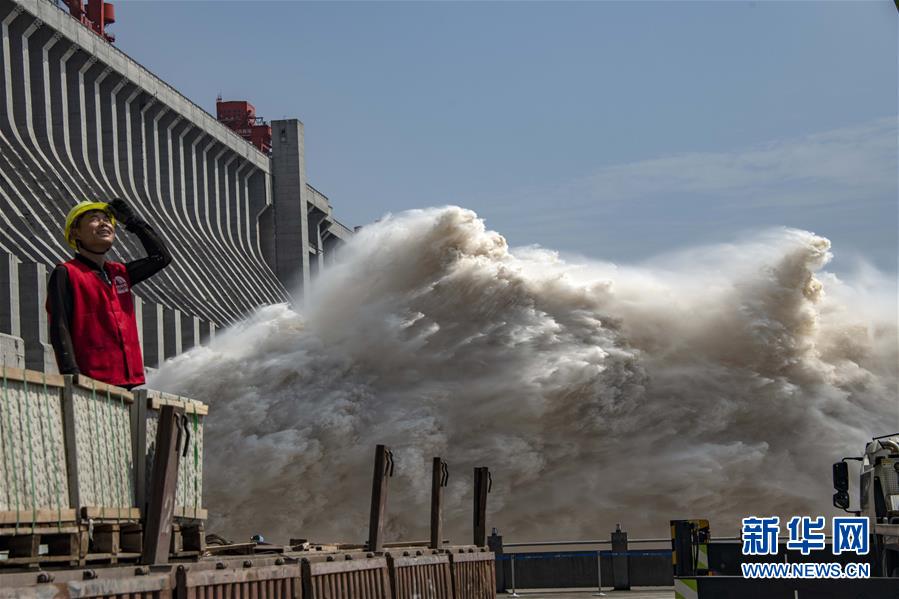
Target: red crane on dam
(240,117)
(96,15)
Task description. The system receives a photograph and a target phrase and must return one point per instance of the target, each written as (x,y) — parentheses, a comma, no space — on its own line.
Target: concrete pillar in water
(207,332)
(190,331)
(12,348)
(154,337)
(289,201)
(172,322)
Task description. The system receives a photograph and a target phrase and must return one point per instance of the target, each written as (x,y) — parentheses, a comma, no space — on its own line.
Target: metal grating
(421,577)
(135,587)
(356,578)
(263,582)
(474,575)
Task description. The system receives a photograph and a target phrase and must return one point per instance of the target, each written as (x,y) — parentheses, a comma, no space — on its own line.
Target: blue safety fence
(570,569)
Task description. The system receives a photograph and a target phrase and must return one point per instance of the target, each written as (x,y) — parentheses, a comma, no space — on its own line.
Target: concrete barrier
(33,317)
(12,347)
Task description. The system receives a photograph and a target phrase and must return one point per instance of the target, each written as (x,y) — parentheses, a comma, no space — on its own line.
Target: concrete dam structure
(81,120)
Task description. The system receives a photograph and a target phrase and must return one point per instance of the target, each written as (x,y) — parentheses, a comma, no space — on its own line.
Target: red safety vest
(103,327)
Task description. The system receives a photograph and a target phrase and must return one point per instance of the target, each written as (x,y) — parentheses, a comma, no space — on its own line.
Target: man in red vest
(93,329)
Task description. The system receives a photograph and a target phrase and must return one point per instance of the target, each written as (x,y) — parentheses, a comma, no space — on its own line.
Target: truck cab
(878,492)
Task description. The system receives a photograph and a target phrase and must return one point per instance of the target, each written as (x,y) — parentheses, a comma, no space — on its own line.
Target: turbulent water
(713,383)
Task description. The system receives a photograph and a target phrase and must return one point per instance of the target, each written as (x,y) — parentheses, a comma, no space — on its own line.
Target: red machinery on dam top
(240,117)
(96,15)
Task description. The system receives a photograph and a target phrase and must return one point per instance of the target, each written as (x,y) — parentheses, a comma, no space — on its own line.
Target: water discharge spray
(715,383)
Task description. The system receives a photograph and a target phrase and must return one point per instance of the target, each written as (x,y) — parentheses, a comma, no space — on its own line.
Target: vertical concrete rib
(46,114)
(84,118)
(221,187)
(91,80)
(34,109)
(147,163)
(17,75)
(227,263)
(12,347)
(27,155)
(153,336)
(22,230)
(158,169)
(190,332)
(171,319)
(32,297)
(170,172)
(61,128)
(233,203)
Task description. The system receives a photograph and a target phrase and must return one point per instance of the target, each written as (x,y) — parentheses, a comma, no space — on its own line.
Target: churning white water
(714,383)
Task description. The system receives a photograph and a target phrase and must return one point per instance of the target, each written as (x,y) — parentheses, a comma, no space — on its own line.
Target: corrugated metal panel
(474,575)
(421,577)
(261,582)
(153,586)
(355,578)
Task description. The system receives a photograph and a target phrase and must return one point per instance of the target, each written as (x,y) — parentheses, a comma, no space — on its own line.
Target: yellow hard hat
(79,209)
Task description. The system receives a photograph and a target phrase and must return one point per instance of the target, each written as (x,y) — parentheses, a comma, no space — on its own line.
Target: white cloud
(841,165)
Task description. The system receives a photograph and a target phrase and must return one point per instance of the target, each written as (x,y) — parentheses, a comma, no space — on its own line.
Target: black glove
(122,212)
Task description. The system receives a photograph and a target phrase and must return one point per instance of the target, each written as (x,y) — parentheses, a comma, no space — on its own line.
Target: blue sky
(614,130)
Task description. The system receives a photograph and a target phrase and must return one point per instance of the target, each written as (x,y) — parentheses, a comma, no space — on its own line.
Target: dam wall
(79,119)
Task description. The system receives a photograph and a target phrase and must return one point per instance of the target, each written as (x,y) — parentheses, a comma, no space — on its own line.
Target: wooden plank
(11,531)
(41,516)
(41,559)
(128,555)
(139,442)
(83,382)
(94,512)
(33,377)
(439,479)
(190,406)
(383,470)
(237,548)
(70,437)
(190,513)
(138,445)
(176,545)
(158,532)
